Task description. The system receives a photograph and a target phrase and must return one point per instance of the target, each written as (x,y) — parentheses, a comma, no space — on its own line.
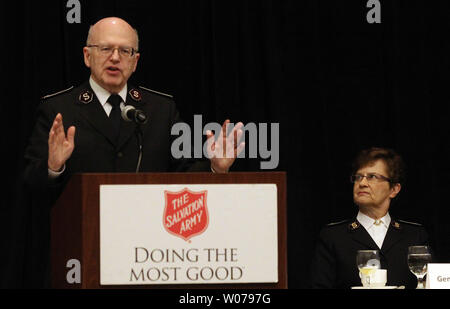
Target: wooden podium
(75,227)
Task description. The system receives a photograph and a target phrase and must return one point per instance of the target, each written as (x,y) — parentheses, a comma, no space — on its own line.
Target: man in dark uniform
(95,138)
(377,177)
(98,139)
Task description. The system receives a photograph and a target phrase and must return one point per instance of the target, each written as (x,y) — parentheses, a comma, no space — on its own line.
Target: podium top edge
(280,173)
(172,178)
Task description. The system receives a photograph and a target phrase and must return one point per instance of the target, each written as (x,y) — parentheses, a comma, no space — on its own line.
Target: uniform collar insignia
(86,97)
(396,225)
(354,226)
(135,95)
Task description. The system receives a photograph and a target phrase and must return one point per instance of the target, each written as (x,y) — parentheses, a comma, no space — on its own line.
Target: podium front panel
(188,234)
(76,232)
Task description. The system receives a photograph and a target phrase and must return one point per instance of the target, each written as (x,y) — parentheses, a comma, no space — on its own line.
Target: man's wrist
(216,171)
(53,175)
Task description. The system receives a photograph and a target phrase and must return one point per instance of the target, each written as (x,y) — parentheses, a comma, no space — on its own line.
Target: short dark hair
(394,162)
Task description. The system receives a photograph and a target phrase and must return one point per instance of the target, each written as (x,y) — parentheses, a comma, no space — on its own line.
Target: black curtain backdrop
(335,83)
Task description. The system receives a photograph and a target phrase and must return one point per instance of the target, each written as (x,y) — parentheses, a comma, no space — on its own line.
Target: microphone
(130,113)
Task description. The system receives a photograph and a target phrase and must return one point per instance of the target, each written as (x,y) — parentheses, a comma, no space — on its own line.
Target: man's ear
(137,56)
(87,57)
(395,190)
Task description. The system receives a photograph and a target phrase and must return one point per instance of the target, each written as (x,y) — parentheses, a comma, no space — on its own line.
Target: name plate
(188,234)
(438,276)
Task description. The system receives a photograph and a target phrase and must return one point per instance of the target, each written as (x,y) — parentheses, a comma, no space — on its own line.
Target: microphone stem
(139,159)
(140,139)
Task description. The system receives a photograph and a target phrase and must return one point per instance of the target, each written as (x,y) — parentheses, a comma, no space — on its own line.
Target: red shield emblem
(186,213)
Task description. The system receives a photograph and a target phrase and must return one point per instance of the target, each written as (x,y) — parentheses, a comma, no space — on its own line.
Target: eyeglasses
(371,178)
(108,50)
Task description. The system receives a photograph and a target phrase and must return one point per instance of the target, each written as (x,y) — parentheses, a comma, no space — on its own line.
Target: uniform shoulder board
(410,223)
(157,92)
(338,222)
(56,94)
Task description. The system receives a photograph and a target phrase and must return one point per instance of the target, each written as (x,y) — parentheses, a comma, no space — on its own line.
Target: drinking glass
(367,261)
(418,259)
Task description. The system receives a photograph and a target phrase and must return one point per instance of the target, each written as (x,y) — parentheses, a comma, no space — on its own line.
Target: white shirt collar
(103,95)
(368,222)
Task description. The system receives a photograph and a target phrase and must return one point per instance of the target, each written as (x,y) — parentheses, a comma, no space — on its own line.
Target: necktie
(115,116)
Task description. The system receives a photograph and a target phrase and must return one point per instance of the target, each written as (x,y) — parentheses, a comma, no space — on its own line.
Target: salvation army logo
(185,213)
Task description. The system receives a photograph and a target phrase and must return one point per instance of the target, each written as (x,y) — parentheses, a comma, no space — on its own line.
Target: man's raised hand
(60,146)
(224,151)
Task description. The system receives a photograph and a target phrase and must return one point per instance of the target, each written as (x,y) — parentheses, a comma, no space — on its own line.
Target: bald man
(76,130)
(80,130)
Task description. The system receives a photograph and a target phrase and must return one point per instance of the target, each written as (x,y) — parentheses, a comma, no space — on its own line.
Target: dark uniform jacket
(334,263)
(96,150)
